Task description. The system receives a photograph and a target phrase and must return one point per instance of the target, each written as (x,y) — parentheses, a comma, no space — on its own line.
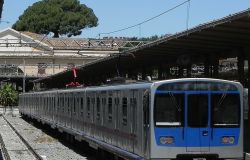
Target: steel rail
(37,156)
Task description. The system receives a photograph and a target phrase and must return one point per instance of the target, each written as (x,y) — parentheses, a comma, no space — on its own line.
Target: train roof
(134,85)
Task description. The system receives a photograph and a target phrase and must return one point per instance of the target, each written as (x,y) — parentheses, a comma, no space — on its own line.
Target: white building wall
(27,53)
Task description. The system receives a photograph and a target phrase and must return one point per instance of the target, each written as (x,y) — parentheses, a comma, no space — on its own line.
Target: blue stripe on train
(215,136)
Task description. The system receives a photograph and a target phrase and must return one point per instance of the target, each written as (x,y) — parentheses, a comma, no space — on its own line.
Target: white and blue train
(169,119)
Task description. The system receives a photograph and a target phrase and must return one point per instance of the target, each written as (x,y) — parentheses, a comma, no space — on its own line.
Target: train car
(169,119)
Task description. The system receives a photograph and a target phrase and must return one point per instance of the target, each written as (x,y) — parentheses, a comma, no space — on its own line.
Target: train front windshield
(193,114)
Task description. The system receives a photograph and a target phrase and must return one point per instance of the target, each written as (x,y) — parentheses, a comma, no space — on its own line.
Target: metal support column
(240,64)
(180,71)
(160,72)
(143,73)
(189,69)
(215,67)
(207,67)
(167,70)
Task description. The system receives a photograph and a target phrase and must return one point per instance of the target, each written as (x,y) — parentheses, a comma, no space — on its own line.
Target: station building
(25,56)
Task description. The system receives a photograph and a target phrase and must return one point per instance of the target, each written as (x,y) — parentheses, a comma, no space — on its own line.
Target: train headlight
(167,140)
(227,140)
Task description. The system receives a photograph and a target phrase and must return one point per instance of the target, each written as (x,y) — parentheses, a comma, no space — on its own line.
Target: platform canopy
(223,38)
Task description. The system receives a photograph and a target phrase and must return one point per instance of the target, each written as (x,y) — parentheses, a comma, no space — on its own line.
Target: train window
(169,109)
(93,101)
(81,103)
(47,103)
(124,111)
(110,108)
(225,110)
(54,103)
(117,101)
(58,103)
(133,104)
(98,110)
(62,100)
(69,102)
(201,86)
(88,107)
(198,110)
(103,101)
(74,105)
(64,103)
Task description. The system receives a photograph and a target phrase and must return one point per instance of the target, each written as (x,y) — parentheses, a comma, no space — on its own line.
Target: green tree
(1,7)
(8,95)
(61,17)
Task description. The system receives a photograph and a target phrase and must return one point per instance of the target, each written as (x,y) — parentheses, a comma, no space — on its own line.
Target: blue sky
(117,14)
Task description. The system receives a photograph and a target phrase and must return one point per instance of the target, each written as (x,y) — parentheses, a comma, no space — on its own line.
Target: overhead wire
(147,20)
(39,43)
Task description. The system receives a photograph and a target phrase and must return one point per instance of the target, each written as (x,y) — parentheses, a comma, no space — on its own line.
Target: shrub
(8,95)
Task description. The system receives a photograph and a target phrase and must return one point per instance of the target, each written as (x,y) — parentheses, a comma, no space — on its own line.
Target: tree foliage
(8,95)
(62,17)
(1,7)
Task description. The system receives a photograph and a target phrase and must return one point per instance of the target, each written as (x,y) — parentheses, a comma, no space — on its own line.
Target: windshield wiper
(175,102)
(221,99)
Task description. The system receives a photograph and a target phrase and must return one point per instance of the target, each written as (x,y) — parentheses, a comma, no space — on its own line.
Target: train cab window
(110,109)
(198,110)
(88,107)
(98,109)
(124,111)
(225,110)
(169,109)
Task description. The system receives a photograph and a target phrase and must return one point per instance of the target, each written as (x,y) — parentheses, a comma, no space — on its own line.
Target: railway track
(2,149)
(30,149)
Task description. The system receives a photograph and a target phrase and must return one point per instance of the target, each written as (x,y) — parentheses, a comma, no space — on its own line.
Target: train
(153,120)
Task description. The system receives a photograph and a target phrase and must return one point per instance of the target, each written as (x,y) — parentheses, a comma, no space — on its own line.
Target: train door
(60,110)
(92,113)
(125,121)
(78,111)
(56,107)
(197,127)
(64,117)
(103,108)
(88,113)
(82,104)
(109,118)
(134,111)
(68,110)
(146,105)
(117,113)
(98,115)
(74,107)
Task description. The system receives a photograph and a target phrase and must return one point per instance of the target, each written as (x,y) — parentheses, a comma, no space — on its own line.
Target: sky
(118,14)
